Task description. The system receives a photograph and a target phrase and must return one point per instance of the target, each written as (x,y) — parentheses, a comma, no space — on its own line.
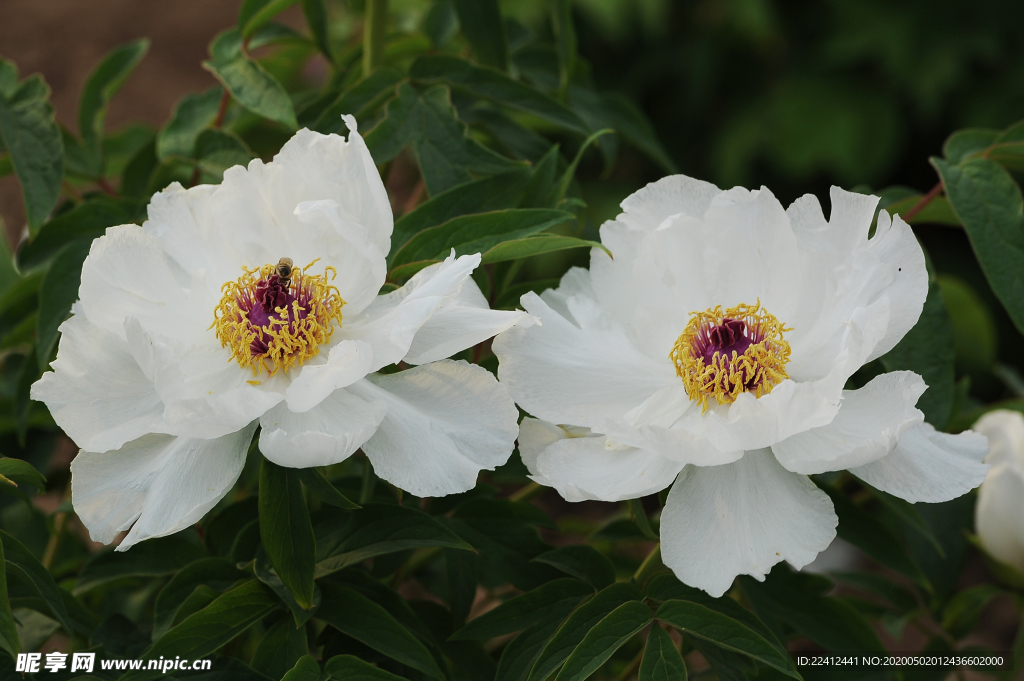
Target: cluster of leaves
(320,574)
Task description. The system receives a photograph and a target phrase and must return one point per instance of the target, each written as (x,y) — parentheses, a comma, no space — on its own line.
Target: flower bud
(999,515)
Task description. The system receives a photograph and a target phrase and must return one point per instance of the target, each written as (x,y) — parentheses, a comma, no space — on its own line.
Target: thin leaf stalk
(374,34)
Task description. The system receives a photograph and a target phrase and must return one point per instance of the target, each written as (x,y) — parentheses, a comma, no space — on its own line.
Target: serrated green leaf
(928,350)
(250,84)
(256,13)
(498,192)
(315,481)
(357,616)
(57,294)
(725,632)
(572,632)
(662,661)
(103,83)
(428,121)
(483,26)
(286,531)
(496,86)
(214,572)
(963,143)
(604,639)
(988,202)
(33,142)
(582,562)
(192,114)
(479,233)
(351,668)
(207,630)
(20,472)
(20,562)
(378,529)
(523,611)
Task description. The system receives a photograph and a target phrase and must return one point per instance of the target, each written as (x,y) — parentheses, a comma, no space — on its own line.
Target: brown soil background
(65,39)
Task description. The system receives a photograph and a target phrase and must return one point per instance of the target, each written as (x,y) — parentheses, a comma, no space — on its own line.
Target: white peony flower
(999,515)
(256,302)
(712,352)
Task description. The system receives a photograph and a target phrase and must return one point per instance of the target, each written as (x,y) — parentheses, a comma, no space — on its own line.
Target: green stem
(920,205)
(527,492)
(374,33)
(652,563)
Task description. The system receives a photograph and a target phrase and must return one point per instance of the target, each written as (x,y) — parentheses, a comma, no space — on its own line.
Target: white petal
(156,485)
(929,466)
(867,427)
(461,322)
(347,362)
(445,422)
(326,434)
(741,519)
(998,518)
(392,321)
(592,467)
(576,373)
(535,435)
(97,393)
(1004,429)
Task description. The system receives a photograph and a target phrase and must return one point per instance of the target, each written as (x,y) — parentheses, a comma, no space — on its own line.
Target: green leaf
(936,212)
(580,622)
(520,654)
(928,350)
(351,668)
(192,114)
(214,572)
(427,120)
(306,669)
(357,616)
(988,202)
(565,40)
(255,13)
(963,143)
(87,220)
(910,517)
(725,632)
(482,25)
(261,568)
(498,192)
(963,611)
(479,233)
(662,661)
(604,639)
(57,294)
(315,12)
(364,95)
(20,562)
(248,82)
(497,87)
(523,611)
(9,640)
(872,537)
(286,531)
(638,515)
(378,529)
(204,632)
(33,141)
(319,485)
(18,472)
(281,648)
(626,118)
(582,562)
(152,558)
(218,150)
(535,245)
(103,83)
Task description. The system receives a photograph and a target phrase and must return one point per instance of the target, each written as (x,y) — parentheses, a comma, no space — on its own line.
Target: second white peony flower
(255,302)
(711,354)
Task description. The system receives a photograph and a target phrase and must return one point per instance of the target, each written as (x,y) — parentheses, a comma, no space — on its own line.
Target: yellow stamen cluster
(728,374)
(292,334)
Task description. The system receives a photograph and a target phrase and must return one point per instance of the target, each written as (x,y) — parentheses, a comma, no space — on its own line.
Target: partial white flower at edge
(256,302)
(999,515)
(711,353)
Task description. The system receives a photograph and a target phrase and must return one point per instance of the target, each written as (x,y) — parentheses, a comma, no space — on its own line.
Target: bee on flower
(256,303)
(711,354)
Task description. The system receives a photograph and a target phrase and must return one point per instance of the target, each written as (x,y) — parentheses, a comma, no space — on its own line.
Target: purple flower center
(271,294)
(725,339)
